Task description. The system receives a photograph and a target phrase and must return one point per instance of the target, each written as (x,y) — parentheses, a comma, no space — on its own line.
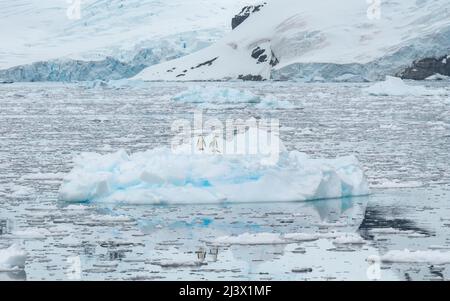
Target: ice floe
(31,233)
(386,183)
(43,176)
(407,256)
(12,258)
(390,231)
(206,96)
(339,238)
(178,264)
(115,84)
(251,239)
(349,239)
(165,176)
(438,77)
(394,86)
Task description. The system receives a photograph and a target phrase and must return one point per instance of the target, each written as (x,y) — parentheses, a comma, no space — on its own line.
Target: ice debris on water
(339,238)
(12,258)
(207,95)
(407,256)
(394,86)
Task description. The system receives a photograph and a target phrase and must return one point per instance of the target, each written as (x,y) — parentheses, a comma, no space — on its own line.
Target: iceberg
(12,258)
(186,175)
(205,96)
(394,86)
(201,94)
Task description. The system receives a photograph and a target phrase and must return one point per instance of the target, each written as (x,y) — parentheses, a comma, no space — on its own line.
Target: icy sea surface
(402,142)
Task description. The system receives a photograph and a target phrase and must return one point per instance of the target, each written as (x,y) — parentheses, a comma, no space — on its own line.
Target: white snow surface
(12,258)
(303,31)
(41,30)
(186,175)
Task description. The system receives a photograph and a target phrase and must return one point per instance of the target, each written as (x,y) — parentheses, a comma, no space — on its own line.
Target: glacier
(113,39)
(318,39)
(223,40)
(111,67)
(185,175)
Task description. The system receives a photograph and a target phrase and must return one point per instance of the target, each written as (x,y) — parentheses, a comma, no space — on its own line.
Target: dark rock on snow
(245,13)
(421,69)
(250,77)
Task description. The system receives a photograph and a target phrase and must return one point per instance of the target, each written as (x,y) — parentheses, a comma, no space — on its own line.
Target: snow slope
(41,30)
(285,33)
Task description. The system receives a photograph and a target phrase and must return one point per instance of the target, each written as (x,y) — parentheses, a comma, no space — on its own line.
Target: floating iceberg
(184,176)
(12,258)
(115,84)
(394,86)
(215,95)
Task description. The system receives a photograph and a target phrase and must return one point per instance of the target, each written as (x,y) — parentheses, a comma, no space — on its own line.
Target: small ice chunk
(390,231)
(386,183)
(12,258)
(298,237)
(438,77)
(179,264)
(407,256)
(31,233)
(349,239)
(111,218)
(250,239)
(77,207)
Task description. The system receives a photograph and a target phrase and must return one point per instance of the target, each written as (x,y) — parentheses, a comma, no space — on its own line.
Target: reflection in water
(189,228)
(13,276)
(174,242)
(381,217)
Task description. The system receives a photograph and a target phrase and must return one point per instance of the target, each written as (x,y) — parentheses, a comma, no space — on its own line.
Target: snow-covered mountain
(120,37)
(223,39)
(324,39)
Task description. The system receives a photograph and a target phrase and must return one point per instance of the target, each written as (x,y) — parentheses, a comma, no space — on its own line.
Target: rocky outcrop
(245,13)
(424,68)
(251,77)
